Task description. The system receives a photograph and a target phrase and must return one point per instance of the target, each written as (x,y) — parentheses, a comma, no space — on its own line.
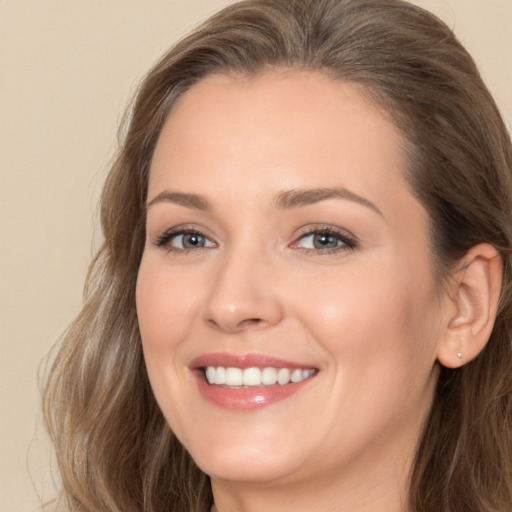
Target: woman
(303,298)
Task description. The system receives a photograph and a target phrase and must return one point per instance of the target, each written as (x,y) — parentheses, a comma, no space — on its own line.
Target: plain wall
(67,69)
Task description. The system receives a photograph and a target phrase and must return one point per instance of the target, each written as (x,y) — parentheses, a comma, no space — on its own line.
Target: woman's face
(283,243)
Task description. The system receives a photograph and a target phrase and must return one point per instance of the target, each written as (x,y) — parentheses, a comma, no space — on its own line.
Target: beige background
(67,69)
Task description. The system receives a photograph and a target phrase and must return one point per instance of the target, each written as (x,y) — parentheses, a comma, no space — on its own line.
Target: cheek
(164,307)
(376,327)
(376,320)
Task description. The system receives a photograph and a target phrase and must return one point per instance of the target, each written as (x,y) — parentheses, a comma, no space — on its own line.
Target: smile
(252,377)
(247,382)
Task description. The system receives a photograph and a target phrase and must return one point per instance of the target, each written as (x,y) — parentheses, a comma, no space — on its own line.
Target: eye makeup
(320,239)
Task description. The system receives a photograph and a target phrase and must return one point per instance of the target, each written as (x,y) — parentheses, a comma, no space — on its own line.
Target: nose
(242,295)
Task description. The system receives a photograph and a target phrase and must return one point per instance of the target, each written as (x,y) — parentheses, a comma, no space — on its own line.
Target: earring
(459,352)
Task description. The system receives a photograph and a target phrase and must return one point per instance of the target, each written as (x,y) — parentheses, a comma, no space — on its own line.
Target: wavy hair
(115,451)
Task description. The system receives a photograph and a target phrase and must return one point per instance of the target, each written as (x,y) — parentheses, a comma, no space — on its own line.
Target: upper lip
(243,361)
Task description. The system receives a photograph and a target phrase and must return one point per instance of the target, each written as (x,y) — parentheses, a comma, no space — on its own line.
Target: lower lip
(247,399)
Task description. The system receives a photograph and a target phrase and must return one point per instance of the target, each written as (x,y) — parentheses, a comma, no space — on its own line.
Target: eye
(190,241)
(183,240)
(325,240)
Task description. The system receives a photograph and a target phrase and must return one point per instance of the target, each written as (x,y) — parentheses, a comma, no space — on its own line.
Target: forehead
(281,129)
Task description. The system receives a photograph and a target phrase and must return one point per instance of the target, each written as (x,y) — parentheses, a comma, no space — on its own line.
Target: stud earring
(459,352)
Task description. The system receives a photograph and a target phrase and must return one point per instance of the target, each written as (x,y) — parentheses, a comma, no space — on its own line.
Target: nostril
(248,322)
(212,323)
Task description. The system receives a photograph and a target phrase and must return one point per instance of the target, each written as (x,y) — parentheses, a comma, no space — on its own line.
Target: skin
(370,317)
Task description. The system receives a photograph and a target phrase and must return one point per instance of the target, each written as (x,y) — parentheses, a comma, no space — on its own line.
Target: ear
(473,297)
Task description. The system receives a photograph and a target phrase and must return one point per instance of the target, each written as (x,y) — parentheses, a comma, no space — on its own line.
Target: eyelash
(348,241)
(165,239)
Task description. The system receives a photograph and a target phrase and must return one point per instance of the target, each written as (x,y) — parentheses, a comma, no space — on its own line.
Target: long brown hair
(114,449)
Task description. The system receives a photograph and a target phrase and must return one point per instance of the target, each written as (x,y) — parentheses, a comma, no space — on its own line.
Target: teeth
(252,377)
(268,376)
(233,376)
(220,376)
(307,373)
(210,374)
(248,377)
(283,376)
(296,376)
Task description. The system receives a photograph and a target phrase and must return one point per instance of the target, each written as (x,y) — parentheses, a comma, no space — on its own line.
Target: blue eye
(325,241)
(320,241)
(184,240)
(190,241)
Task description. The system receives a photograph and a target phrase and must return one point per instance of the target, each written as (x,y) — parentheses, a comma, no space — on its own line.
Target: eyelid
(349,241)
(163,239)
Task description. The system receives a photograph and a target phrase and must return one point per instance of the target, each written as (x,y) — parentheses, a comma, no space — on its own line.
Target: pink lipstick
(249,381)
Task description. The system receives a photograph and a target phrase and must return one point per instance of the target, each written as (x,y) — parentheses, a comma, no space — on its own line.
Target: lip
(251,398)
(244,361)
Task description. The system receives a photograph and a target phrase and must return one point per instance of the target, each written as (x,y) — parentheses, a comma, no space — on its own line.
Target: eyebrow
(302,197)
(288,199)
(194,201)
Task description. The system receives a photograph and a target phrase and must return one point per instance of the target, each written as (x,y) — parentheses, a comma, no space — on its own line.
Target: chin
(246,458)
(235,468)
